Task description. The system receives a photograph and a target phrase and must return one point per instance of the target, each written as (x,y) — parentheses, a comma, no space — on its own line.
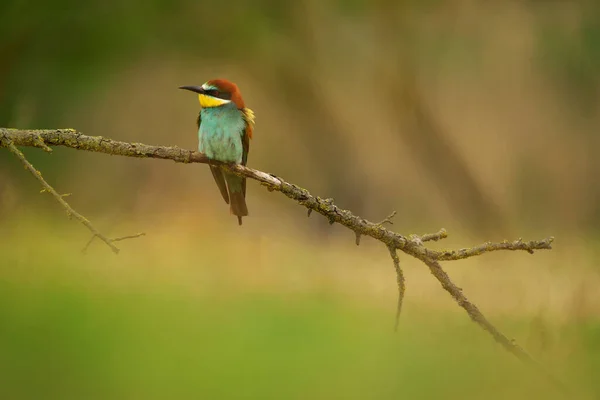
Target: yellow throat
(209,101)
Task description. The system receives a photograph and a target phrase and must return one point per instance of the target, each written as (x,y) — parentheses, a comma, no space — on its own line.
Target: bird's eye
(215,93)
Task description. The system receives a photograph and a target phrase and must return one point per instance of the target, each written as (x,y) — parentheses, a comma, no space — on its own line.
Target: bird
(225,127)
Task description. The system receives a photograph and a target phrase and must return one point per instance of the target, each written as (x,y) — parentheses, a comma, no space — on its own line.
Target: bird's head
(217,93)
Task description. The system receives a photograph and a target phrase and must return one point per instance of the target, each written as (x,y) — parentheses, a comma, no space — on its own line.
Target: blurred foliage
(50,49)
(381,100)
(54,50)
(570,54)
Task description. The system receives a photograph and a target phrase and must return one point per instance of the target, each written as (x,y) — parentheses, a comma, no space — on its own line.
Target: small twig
(519,244)
(441,234)
(70,211)
(400,282)
(137,235)
(39,142)
(388,219)
(84,250)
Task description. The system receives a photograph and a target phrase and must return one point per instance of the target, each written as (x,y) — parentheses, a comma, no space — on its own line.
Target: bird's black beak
(197,89)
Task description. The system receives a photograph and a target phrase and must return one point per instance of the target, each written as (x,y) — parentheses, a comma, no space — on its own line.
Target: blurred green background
(483,119)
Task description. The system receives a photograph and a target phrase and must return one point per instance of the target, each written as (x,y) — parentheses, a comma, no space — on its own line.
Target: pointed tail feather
(220,180)
(238,205)
(237,197)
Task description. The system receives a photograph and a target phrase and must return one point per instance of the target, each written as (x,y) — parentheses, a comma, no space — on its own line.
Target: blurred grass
(180,315)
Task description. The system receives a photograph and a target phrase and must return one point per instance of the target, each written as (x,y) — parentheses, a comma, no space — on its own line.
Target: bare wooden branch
(412,245)
(326,207)
(510,345)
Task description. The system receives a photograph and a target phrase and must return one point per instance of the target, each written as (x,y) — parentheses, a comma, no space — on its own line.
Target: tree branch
(487,247)
(441,234)
(399,282)
(412,245)
(510,345)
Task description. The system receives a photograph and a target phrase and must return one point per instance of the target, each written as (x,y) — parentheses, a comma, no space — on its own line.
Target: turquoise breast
(220,133)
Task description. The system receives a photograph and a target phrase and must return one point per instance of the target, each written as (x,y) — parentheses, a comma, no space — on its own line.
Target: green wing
(248,115)
(246,146)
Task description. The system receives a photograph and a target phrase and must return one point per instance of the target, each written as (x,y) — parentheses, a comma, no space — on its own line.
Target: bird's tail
(237,197)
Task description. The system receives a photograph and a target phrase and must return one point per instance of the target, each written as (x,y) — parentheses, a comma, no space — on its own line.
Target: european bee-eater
(225,128)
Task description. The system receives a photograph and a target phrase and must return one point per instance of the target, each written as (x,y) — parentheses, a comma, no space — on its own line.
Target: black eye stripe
(218,94)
